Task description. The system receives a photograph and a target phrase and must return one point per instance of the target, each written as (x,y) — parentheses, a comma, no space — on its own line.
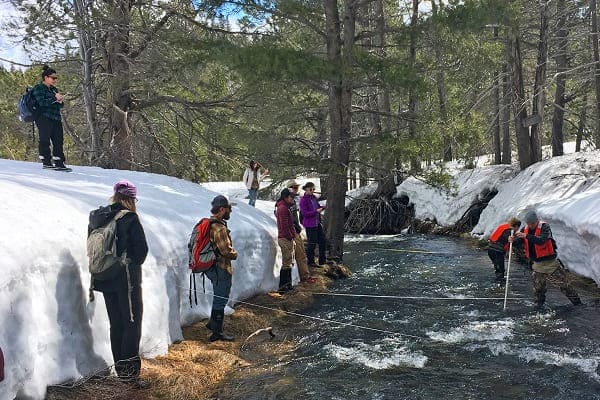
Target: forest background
(368,89)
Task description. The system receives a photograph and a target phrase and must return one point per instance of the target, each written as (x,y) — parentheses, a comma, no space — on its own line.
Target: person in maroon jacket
(285,238)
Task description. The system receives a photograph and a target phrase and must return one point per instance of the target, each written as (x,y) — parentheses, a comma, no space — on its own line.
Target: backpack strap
(120,214)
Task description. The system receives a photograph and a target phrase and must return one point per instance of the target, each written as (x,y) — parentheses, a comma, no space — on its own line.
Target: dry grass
(196,368)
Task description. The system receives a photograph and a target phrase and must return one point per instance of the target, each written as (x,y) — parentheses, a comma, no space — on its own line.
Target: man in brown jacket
(220,273)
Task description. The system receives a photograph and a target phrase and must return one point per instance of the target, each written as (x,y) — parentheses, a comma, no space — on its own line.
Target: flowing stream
(449,348)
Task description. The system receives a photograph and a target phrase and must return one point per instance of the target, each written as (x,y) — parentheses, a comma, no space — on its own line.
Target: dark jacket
(130,238)
(45,97)
(285,224)
(295,210)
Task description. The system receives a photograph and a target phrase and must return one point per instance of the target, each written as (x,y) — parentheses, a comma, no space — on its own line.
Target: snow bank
(565,192)
(48,331)
(448,208)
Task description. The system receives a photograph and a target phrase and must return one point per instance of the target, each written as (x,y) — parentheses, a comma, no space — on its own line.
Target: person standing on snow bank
(49,101)
(540,248)
(220,273)
(311,219)
(499,245)
(299,252)
(123,293)
(253,175)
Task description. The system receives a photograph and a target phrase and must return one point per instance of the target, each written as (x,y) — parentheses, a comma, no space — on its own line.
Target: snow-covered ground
(48,331)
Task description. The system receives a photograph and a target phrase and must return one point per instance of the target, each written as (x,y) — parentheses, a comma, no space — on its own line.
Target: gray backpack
(104,263)
(102,250)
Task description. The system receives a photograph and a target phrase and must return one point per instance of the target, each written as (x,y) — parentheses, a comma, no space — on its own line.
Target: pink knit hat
(126,188)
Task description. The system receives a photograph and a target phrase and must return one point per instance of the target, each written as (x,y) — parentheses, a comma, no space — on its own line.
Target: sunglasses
(53,77)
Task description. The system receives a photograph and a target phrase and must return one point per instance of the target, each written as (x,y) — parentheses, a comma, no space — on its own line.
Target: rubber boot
(285,280)
(209,323)
(288,275)
(217,327)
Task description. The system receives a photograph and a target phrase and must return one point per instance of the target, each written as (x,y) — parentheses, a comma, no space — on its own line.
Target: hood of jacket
(101,216)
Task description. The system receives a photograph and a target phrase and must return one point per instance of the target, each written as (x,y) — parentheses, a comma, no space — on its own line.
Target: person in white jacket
(253,175)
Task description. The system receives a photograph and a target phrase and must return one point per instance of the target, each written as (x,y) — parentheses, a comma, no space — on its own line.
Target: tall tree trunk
(385,184)
(506,102)
(518,100)
(539,92)
(82,10)
(323,148)
(497,144)
(440,80)
(119,97)
(596,69)
(339,53)
(581,125)
(561,80)
(413,102)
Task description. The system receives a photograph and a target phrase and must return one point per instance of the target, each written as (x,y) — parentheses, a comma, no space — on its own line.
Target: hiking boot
(47,164)
(60,164)
(217,328)
(225,337)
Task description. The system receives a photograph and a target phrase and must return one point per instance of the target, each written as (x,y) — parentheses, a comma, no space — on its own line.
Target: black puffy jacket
(130,238)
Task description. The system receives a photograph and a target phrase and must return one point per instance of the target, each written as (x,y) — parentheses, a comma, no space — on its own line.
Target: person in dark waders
(540,248)
(220,273)
(123,293)
(499,245)
(49,123)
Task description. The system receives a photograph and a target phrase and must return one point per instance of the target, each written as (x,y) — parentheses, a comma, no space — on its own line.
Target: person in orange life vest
(540,248)
(499,245)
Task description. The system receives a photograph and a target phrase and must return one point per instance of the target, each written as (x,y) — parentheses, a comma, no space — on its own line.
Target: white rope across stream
(330,321)
(236,301)
(414,297)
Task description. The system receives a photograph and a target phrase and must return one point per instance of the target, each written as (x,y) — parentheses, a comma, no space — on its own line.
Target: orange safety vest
(541,250)
(494,237)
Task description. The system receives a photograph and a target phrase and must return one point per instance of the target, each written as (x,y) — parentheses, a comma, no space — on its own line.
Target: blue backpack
(29,111)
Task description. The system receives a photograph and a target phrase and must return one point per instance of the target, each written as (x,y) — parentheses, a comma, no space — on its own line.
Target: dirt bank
(198,369)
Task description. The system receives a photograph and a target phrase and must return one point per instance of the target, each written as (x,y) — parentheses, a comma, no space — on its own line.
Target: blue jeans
(221,283)
(252,195)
